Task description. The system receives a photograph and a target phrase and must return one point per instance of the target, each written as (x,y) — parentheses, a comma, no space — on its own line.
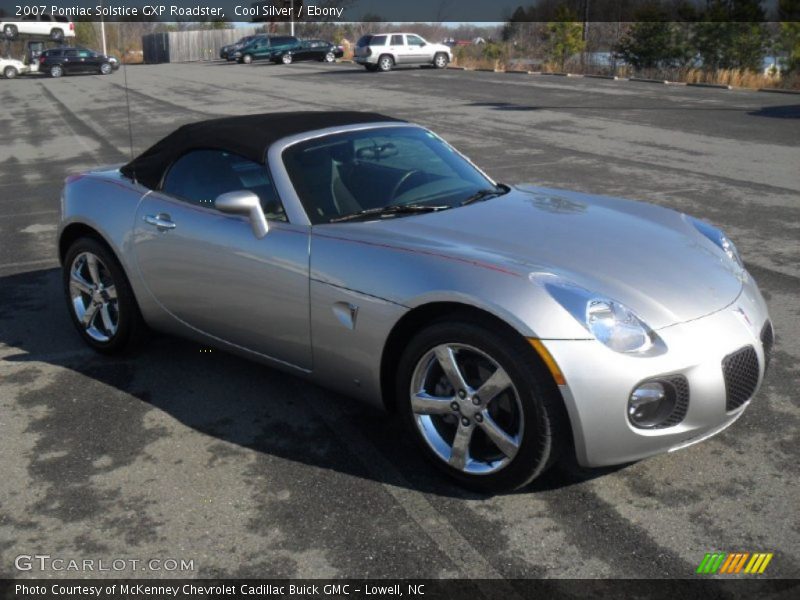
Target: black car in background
(62,61)
(307,50)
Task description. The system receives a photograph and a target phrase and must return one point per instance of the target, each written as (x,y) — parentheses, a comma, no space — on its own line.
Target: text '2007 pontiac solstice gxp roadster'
(505,326)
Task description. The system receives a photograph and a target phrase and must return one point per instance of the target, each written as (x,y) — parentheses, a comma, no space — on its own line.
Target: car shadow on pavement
(224,397)
(791,111)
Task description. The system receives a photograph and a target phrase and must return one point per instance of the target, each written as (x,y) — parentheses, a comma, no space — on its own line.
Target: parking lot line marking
(28,214)
(80,139)
(26,263)
(441,532)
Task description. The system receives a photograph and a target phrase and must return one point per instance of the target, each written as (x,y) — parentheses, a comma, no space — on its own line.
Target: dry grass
(734,77)
(471,62)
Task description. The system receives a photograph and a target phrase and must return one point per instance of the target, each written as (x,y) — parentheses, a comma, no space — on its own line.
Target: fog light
(651,404)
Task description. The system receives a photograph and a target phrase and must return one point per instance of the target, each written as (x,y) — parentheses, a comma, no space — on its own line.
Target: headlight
(609,321)
(721,240)
(616,326)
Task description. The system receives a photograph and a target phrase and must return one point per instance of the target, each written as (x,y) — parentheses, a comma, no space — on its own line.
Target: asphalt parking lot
(250,472)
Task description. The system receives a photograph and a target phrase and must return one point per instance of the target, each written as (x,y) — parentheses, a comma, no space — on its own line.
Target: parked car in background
(67,61)
(382,52)
(11,67)
(56,28)
(111,59)
(266,48)
(309,50)
(227,52)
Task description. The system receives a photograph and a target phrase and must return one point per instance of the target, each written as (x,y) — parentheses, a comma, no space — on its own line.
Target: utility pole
(292,21)
(585,30)
(103,31)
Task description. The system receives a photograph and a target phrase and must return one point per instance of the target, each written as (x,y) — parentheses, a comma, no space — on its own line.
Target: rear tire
(10,73)
(247,59)
(10,32)
(512,436)
(57,35)
(329,57)
(100,300)
(56,71)
(385,63)
(286,59)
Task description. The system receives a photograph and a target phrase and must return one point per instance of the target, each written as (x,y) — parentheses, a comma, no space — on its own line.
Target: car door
(418,50)
(312,50)
(89,61)
(398,47)
(72,62)
(210,272)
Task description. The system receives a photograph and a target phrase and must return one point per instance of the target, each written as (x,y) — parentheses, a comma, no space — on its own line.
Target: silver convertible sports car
(505,326)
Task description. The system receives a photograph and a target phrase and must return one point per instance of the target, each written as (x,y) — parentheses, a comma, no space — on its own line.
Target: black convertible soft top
(248,136)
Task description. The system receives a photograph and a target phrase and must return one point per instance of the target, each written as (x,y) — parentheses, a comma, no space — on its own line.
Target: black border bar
(433,11)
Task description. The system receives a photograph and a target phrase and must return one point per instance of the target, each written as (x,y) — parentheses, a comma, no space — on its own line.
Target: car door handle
(161,221)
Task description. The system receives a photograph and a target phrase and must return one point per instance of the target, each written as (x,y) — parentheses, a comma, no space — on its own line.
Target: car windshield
(346,175)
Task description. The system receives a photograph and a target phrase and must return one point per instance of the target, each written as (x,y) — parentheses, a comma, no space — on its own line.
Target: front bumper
(599,382)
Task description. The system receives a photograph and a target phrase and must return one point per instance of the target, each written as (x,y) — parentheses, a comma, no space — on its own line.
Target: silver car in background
(382,52)
(505,326)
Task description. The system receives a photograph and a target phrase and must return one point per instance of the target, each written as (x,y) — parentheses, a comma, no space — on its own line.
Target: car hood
(647,257)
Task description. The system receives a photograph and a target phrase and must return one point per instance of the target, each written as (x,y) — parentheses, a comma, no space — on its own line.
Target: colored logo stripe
(758,563)
(731,563)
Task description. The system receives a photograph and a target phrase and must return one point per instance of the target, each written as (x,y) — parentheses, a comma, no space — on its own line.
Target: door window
(200,176)
(397,40)
(415,40)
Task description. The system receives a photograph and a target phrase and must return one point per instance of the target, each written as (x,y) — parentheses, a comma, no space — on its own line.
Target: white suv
(381,52)
(55,28)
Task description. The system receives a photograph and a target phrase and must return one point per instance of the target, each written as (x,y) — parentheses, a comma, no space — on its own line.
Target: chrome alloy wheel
(467,408)
(93,297)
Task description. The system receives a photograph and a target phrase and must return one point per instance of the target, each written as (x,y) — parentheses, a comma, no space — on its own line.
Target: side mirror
(246,204)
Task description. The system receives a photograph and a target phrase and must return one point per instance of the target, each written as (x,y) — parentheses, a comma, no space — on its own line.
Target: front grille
(740,370)
(767,341)
(681,387)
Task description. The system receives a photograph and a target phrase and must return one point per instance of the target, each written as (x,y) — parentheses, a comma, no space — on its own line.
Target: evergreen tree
(732,35)
(655,42)
(789,40)
(564,37)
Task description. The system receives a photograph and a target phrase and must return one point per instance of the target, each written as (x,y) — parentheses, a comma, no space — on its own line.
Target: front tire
(440,60)
(247,59)
(57,35)
(106,68)
(100,300)
(56,71)
(385,63)
(329,57)
(479,405)
(10,73)
(286,59)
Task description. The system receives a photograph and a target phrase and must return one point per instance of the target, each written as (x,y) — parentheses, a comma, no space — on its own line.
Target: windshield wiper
(486,194)
(399,209)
